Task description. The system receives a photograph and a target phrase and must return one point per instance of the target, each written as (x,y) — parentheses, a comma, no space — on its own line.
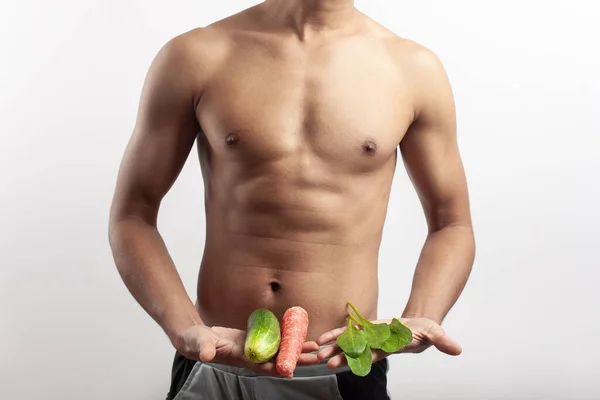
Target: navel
(275,286)
(369,147)
(232,139)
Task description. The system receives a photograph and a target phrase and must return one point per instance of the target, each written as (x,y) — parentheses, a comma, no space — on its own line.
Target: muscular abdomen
(277,239)
(298,157)
(246,273)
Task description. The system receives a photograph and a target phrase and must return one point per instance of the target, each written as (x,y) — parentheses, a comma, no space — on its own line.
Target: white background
(527,86)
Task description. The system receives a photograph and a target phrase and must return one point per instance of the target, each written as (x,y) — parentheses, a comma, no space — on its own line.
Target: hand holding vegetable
(363,342)
(220,346)
(225,346)
(427,333)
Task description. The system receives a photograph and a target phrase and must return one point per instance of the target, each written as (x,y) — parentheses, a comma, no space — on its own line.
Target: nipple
(232,139)
(369,146)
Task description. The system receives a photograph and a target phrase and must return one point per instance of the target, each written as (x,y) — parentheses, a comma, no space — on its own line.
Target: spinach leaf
(392,344)
(352,341)
(360,317)
(358,344)
(377,334)
(403,331)
(400,336)
(361,365)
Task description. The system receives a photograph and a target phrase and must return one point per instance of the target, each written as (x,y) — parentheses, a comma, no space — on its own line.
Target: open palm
(426,333)
(225,346)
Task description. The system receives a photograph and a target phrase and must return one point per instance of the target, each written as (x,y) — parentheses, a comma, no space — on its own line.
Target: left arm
(431,157)
(432,160)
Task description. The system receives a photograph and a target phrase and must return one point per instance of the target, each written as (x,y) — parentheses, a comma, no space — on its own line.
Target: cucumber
(262,337)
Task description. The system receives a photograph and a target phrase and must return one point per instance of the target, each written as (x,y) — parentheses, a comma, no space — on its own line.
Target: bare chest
(340,108)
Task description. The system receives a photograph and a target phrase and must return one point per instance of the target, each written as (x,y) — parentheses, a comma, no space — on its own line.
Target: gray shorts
(209,381)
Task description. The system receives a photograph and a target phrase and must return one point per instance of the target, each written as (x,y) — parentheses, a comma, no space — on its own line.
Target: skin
(299,112)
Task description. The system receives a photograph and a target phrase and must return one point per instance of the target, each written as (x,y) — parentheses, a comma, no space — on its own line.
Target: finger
(266,368)
(379,355)
(449,346)
(207,351)
(438,338)
(330,336)
(337,361)
(340,359)
(329,351)
(311,346)
(308,359)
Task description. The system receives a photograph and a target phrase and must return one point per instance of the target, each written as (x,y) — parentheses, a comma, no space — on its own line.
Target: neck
(313,15)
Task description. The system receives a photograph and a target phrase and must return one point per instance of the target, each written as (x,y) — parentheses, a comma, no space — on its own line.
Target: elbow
(462,229)
(440,218)
(114,228)
(113,232)
(463,237)
(455,223)
(115,218)
(124,217)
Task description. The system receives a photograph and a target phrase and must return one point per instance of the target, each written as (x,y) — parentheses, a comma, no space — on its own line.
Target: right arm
(164,134)
(161,142)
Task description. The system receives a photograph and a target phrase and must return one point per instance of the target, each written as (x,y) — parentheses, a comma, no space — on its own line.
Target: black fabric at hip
(351,387)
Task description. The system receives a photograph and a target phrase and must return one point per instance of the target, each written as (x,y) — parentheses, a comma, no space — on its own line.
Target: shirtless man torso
(299,110)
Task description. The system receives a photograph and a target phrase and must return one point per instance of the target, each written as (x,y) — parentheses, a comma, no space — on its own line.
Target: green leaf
(403,331)
(356,312)
(392,344)
(361,365)
(376,334)
(400,336)
(353,341)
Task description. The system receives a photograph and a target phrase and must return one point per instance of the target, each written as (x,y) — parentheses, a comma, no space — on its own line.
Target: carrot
(294,328)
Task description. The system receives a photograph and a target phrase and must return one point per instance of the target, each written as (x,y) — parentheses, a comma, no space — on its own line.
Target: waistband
(301,371)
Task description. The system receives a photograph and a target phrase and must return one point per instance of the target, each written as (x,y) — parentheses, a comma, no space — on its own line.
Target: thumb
(443,342)
(208,351)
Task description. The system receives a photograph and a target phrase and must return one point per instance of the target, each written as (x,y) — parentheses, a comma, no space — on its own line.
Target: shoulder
(196,52)
(422,73)
(407,56)
(413,58)
(419,73)
(206,48)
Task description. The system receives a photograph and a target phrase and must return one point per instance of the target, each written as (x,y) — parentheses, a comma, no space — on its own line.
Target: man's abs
(298,149)
(252,267)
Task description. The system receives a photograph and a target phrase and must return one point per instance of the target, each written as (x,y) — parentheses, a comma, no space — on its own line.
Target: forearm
(441,273)
(150,275)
